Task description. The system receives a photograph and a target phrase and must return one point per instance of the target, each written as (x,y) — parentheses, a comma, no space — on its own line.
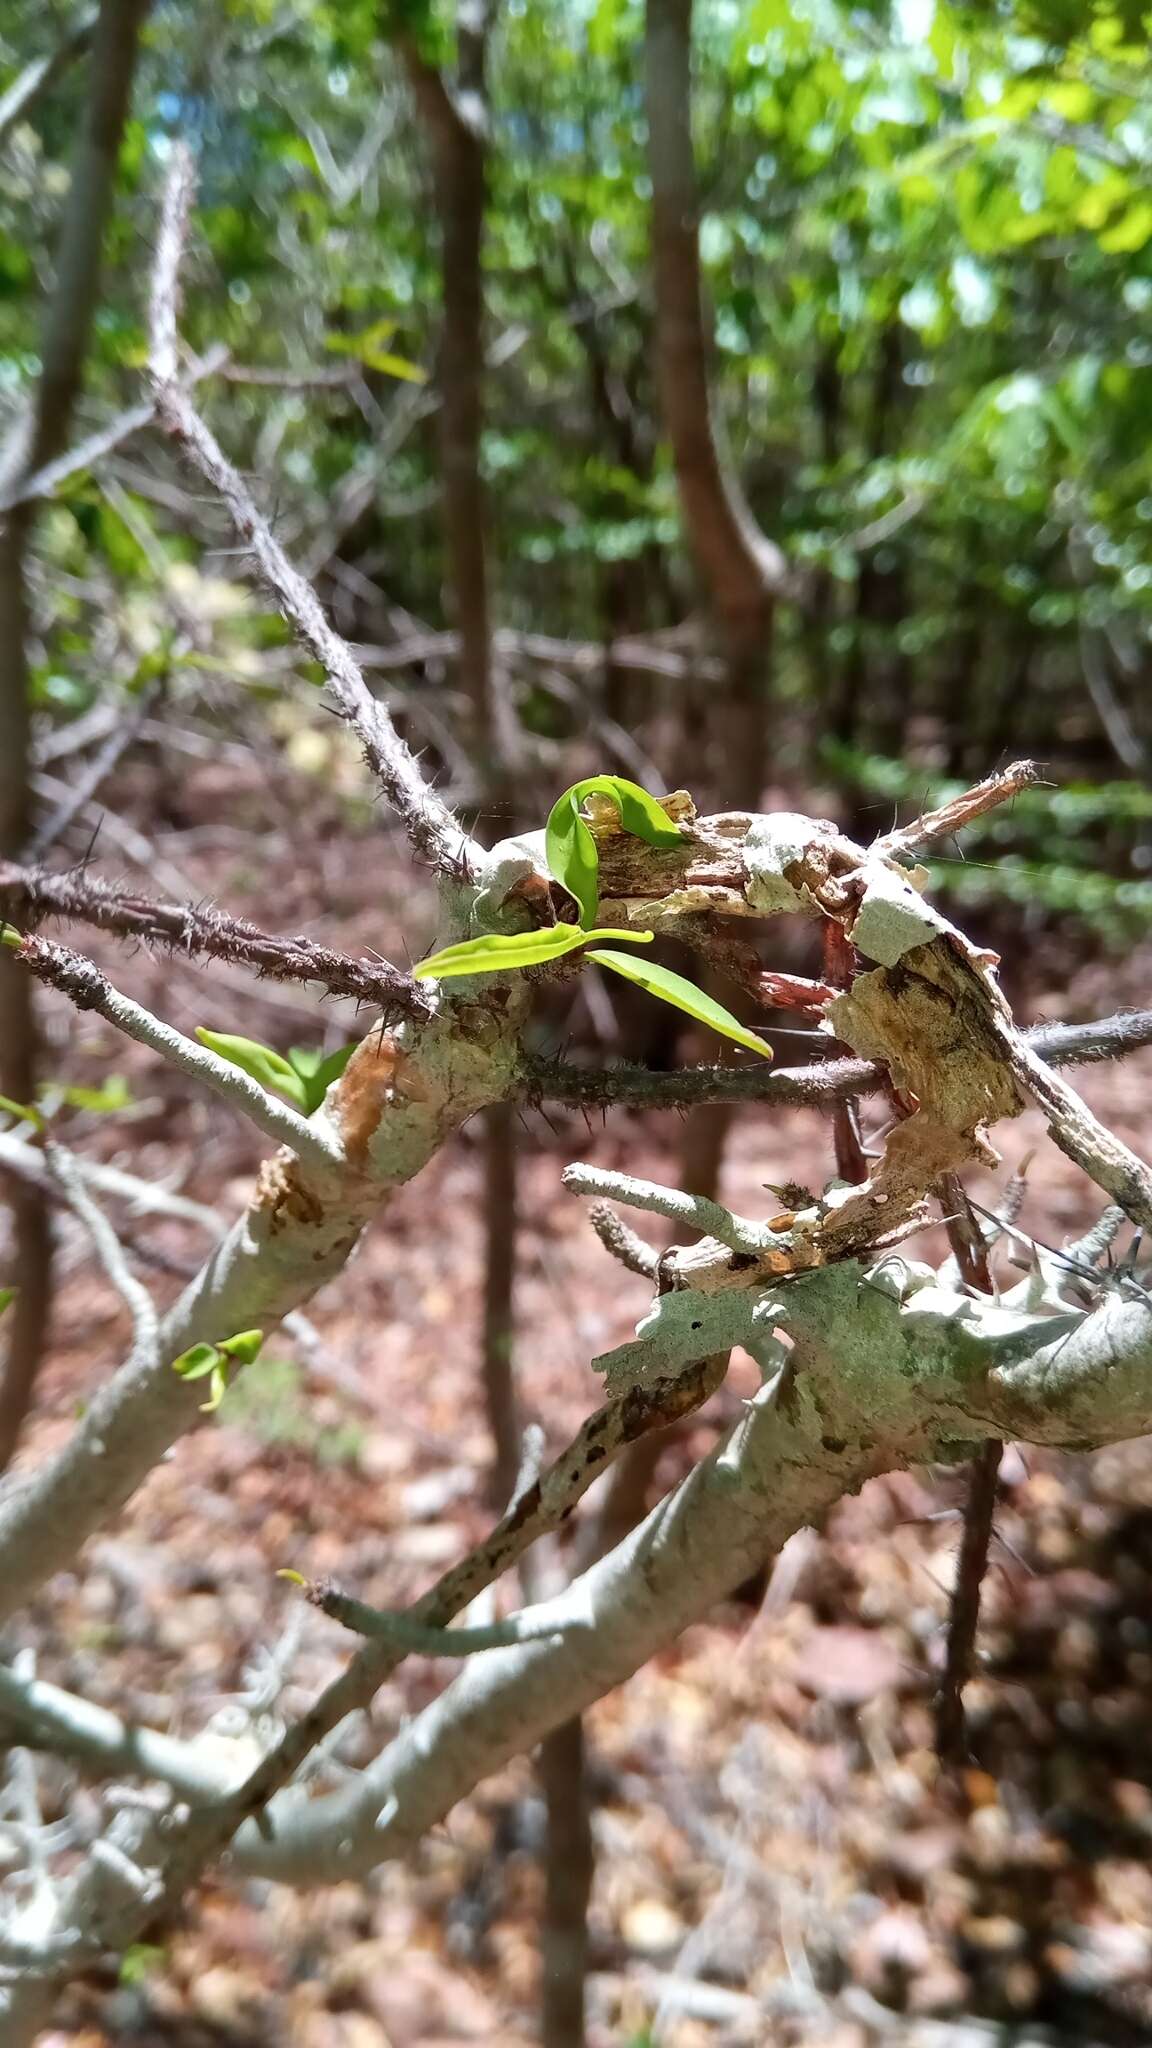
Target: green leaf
(570,848)
(317,1071)
(368,338)
(506,951)
(217,1388)
(212,1362)
(7,1297)
(683,995)
(244,1347)
(140,1962)
(330,1069)
(572,857)
(9,936)
(112,1094)
(368,348)
(265,1065)
(394,366)
(22,1111)
(197,1362)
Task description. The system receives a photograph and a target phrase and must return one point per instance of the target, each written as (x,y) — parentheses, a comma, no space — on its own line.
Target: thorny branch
(431,828)
(960,810)
(201,929)
(544,1079)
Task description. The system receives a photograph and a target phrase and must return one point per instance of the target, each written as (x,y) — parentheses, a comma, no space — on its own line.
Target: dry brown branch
(960,811)
(28,894)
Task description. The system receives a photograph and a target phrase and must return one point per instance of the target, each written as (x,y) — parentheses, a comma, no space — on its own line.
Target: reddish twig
(970,1250)
(839,969)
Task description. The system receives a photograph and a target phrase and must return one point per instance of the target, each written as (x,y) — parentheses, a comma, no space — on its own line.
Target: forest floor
(779,1856)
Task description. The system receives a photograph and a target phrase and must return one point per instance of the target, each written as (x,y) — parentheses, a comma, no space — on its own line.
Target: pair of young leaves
(574,862)
(303,1078)
(214,1362)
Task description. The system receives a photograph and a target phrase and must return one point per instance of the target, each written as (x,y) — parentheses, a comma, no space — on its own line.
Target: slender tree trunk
(67,328)
(961,677)
(820,609)
(498,1357)
(568,1886)
(459,157)
(462,187)
(455,118)
(873,693)
(27,1320)
(742,570)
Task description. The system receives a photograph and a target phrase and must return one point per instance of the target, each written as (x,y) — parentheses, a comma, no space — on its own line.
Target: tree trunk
(456,122)
(568,1886)
(64,348)
(743,572)
(873,694)
(31,1247)
(497,1358)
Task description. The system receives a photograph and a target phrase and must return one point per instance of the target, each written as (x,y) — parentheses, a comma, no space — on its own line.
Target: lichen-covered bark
(887,1369)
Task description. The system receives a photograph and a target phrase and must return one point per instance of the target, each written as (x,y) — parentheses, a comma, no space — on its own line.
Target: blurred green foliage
(927,240)
(271,1402)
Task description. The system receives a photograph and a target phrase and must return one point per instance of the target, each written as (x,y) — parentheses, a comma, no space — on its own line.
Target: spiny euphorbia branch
(813,1087)
(432,830)
(203,930)
(402,1093)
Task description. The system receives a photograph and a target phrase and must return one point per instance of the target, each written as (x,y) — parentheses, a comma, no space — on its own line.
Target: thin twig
(141,1196)
(964,1614)
(970,1251)
(109,1250)
(30,85)
(624,1243)
(416,1638)
(431,828)
(57,967)
(710,1218)
(959,811)
(125,731)
(45,481)
(1081,1136)
(848,1144)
